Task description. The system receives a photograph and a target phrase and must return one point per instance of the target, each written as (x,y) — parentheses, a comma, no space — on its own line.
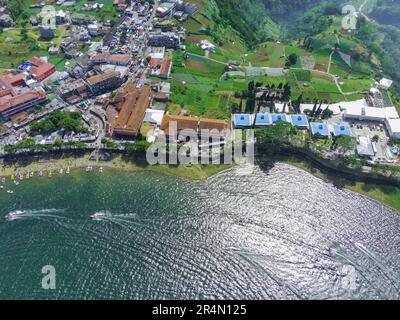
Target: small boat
(12,215)
(16,182)
(21,177)
(97,216)
(61,171)
(327,251)
(27,176)
(40,173)
(101,170)
(1,187)
(31,174)
(3,180)
(67,172)
(12,177)
(10,191)
(50,174)
(89,169)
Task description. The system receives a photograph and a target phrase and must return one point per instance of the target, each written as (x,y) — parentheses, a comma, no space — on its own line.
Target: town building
(385,84)
(46,33)
(100,84)
(132,110)
(13,104)
(161,68)
(165,9)
(320,129)
(73,91)
(165,39)
(114,59)
(62,17)
(194,127)
(393,126)
(365,147)
(40,69)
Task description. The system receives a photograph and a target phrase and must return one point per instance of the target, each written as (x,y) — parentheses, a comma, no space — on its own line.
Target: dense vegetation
(57,120)
(388,12)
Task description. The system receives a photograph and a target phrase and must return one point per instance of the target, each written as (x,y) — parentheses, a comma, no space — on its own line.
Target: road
(208,58)
(363,14)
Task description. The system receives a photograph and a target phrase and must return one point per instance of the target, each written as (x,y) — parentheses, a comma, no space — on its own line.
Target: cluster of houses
(178,9)
(22,89)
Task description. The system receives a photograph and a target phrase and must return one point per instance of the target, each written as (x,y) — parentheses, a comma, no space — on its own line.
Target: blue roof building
(320,129)
(242,120)
(263,119)
(279,117)
(300,120)
(341,129)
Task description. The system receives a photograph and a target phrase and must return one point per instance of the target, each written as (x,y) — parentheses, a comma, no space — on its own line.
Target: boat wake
(107,215)
(40,213)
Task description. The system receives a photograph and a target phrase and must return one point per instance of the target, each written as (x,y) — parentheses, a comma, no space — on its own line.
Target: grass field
(16,48)
(357,85)
(269,54)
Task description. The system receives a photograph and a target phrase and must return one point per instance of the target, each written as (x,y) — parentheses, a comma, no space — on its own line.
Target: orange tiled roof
(133,110)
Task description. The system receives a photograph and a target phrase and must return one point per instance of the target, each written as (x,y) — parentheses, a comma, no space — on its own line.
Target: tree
(297,104)
(292,60)
(274,137)
(58,143)
(328,113)
(287,92)
(251,100)
(346,143)
(375,138)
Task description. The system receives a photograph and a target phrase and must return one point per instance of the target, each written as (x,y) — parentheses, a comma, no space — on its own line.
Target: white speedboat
(10,191)
(12,215)
(98,216)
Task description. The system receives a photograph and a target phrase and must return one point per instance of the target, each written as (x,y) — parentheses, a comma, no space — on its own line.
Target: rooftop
(242,120)
(365,147)
(263,119)
(133,110)
(318,128)
(279,117)
(299,120)
(341,129)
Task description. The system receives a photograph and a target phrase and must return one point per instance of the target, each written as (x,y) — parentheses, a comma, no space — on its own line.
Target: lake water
(279,233)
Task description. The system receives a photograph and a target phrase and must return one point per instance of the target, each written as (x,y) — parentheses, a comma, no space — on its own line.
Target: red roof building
(41,70)
(11,105)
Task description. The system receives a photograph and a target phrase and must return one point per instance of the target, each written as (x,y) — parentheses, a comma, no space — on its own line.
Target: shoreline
(190,172)
(386,194)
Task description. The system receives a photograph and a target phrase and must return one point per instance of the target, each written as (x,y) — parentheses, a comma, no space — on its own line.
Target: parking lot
(372,129)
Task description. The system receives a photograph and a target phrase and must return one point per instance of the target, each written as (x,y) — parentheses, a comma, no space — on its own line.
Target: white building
(385,84)
(207,46)
(393,126)
(361,113)
(93,29)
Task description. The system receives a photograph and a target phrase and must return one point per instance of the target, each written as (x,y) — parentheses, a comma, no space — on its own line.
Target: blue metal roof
(320,128)
(299,120)
(341,129)
(242,120)
(263,119)
(279,117)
